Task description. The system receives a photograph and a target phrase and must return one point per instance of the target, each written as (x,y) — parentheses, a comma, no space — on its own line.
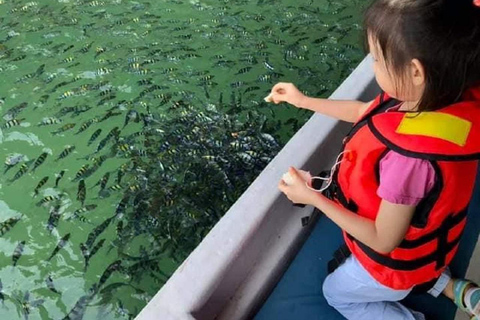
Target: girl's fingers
(278,86)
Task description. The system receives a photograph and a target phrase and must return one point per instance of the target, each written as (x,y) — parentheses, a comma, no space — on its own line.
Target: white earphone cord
(330,178)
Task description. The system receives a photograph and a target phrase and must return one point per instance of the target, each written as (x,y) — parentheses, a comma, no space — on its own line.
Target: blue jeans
(353,292)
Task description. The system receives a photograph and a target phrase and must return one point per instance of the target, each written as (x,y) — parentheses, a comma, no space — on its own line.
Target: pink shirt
(404,180)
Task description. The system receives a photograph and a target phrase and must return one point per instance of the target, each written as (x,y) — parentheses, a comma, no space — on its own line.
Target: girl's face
(407,88)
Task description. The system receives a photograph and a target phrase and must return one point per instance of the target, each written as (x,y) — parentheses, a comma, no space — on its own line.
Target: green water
(190,77)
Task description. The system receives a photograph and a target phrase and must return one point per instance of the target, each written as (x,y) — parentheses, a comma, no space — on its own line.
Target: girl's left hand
(297,192)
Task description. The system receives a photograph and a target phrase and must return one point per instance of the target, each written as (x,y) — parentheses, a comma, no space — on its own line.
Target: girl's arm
(349,111)
(346,110)
(382,235)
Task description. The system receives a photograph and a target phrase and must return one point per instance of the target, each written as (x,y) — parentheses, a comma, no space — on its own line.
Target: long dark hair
(444,35)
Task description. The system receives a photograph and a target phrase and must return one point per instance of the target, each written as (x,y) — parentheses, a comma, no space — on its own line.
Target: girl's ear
(418,73)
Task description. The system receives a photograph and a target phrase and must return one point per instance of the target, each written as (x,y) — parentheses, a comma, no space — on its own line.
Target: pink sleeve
(405,180)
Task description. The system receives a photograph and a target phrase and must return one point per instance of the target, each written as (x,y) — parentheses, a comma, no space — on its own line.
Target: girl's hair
(444,35)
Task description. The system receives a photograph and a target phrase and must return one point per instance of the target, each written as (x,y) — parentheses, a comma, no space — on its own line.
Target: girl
(408,166)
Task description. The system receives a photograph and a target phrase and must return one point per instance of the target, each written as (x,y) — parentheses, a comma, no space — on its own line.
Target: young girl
(408,165)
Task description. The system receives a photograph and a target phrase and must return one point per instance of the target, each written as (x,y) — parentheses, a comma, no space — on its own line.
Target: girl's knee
(328,290)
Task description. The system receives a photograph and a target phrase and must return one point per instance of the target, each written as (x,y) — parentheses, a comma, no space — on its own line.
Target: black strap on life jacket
(438,256)
(339,257)
(342,254)
(334,192)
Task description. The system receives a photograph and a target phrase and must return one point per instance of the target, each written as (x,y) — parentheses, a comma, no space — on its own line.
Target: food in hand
(287,178)
(269,98)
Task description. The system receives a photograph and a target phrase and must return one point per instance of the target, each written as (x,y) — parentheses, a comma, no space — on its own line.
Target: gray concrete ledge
(232,271)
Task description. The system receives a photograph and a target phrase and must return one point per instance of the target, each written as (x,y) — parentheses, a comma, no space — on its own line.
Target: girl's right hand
(287,92)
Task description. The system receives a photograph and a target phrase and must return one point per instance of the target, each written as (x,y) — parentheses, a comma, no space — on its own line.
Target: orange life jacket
(450,139)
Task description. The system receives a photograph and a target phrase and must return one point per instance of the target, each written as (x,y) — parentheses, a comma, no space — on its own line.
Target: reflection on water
(130,127)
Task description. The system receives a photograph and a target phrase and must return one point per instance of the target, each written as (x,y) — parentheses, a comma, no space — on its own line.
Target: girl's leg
(465,294)
(356,295)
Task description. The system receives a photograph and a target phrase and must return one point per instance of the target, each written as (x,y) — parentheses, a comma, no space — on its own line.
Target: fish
(63,241)
(26,304)
(2,296)
(80,109)
(68,149)
(58,177)
(86,48)
(102,144)
(244,70)
(97,231)
(108,115)
(12,123)
(12,160)
(250,89)
(48,199)
(38,162)
(103,181)
(14,111)
(112,287)
(43,99)
(267,65)
(94,136)
(81,172)
(68,59)
(93,251)
(40,70)
(120,209)
(119,228)
(50,285)
(68,48)
(85,253)
(40,184)
(80,306)
(66,127)
(17,253)
(132,115)
(49,121)
(8,224)
(115,187)
(23,169)
(122,310)
(86,125)
(24,78)
(114,266)
(53,218)
(82,191)
(88,207)
(59,85)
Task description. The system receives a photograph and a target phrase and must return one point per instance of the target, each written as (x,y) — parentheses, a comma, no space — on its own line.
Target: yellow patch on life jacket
(436,125)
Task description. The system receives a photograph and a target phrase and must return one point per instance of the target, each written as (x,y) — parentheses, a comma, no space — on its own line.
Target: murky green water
(163,98)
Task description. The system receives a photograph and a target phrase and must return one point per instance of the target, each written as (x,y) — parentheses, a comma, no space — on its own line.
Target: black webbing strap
(339,257)
(438,256)
(342,253)
(449,223)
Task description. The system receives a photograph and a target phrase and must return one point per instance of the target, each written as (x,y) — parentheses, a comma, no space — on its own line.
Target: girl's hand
(297,191)
(286,92)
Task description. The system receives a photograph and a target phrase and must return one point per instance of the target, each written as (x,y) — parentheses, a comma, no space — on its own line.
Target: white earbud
(287,178)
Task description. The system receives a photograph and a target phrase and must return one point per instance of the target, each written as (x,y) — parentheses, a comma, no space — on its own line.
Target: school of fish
(128,129)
